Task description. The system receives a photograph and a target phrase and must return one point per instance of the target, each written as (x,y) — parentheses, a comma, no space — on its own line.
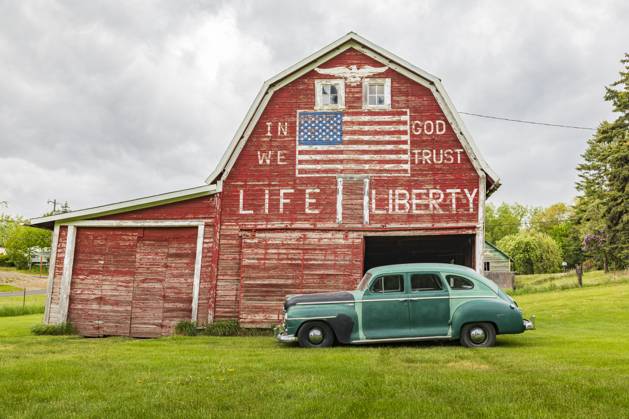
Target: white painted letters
(309,201)
(446,156)
(283,200)
(282,129)
(434,202)
(375,210)
(242,204)
(280,157)
(428,127)
(394,201)
(264,157)
(401,198)
(470,198)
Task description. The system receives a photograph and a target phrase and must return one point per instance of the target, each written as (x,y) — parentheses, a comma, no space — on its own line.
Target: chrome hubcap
(315,336)
(477,335)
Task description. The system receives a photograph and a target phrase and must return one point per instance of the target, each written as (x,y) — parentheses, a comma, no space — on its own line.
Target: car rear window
(425,282)
(388,283)
(457,282)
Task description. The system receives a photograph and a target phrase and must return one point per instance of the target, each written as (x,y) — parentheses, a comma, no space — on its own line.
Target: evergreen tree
(602,210)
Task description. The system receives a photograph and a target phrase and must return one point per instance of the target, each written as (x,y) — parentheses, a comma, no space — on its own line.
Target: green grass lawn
(9,288)
(526,284)
(13,306)
(575,365)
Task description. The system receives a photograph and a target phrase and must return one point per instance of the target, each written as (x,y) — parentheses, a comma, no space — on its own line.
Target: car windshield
(362,285)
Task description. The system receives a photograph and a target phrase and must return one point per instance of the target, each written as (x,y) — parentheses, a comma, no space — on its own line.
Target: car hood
(321,297)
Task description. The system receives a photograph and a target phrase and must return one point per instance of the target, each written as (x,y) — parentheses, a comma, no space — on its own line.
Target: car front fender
(340,317)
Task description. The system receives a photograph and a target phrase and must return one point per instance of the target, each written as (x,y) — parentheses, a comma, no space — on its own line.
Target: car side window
(425,282)
(457,282)
(388,283)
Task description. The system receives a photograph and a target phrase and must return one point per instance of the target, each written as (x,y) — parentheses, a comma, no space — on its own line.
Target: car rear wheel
(315,335)
(478,335)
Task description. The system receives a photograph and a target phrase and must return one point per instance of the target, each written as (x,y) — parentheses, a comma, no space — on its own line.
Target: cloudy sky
(107,101)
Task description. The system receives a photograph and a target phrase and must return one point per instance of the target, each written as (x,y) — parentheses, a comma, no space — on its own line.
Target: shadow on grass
(424,344)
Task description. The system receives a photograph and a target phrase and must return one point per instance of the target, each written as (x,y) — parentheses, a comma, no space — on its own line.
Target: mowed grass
(526,284)
(575,365)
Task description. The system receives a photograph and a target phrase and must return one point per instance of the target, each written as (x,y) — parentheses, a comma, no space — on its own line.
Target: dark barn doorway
(388,250)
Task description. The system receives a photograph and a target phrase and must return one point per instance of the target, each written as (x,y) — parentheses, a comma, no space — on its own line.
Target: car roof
(427,267)
(405,267)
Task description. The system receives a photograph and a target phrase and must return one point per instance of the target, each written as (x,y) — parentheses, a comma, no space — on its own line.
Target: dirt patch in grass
(467,365)
(22,280)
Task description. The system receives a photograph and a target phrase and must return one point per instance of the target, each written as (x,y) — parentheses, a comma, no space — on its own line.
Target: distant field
(9,288)
(576,364)
(33,271)
(30,299)
(547,282)
(15,306)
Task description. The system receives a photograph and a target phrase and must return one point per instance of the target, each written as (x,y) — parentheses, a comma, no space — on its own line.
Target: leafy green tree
(503,220)
(21,239)
(7,224)
(558,222)
(603,207)
(532,252)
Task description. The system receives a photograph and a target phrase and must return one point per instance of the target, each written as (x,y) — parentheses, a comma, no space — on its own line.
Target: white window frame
(387,93)
(340,87)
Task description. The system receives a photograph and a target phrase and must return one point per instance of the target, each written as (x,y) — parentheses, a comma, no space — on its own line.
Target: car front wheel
(315,335)
(478,335)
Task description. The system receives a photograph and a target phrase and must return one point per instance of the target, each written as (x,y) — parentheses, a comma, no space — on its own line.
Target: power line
(522,121)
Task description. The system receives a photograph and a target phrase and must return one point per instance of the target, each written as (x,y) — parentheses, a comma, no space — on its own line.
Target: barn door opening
(389,250)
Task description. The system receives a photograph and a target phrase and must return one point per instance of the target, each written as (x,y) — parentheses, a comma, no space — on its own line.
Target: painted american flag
(354,142)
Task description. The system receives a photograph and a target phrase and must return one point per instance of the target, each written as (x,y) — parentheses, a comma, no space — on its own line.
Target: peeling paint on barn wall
(426,181)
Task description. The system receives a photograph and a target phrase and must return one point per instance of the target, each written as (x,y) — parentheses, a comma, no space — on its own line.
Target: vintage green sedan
(410,302)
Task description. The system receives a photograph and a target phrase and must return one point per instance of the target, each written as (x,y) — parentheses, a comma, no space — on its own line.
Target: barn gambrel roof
(352,40)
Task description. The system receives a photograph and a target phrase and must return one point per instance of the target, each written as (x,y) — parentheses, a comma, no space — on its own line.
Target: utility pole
(54,205)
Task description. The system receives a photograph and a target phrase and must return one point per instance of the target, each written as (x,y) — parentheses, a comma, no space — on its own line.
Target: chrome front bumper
(285,338)
(529,324)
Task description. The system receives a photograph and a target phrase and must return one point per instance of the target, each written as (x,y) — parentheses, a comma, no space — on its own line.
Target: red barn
(350,159)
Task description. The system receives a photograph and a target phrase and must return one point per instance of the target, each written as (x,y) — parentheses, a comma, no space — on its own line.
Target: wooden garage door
(132,281)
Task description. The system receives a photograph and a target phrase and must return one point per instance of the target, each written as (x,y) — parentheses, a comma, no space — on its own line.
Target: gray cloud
(103,101)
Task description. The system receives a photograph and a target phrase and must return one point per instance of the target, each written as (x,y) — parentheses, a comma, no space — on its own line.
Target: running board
(417,338)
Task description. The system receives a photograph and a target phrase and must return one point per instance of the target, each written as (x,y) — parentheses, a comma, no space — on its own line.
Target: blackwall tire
(478,335)
(315,335)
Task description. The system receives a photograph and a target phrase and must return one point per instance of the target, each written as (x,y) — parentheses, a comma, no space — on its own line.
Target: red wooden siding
(132,281)
(353,201)
(203,209)
(277,263)
(443,183)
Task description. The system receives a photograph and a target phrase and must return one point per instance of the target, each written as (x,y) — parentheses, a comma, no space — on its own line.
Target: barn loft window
(377,93)
(487,266)
(329,94)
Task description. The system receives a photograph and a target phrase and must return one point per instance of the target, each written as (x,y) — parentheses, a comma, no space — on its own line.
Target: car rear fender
(505,318)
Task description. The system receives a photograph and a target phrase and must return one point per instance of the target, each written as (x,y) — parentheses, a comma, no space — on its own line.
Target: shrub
(186,328)
(20,239)
(223,328)
(5,261)
(532,252)
(53,329)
